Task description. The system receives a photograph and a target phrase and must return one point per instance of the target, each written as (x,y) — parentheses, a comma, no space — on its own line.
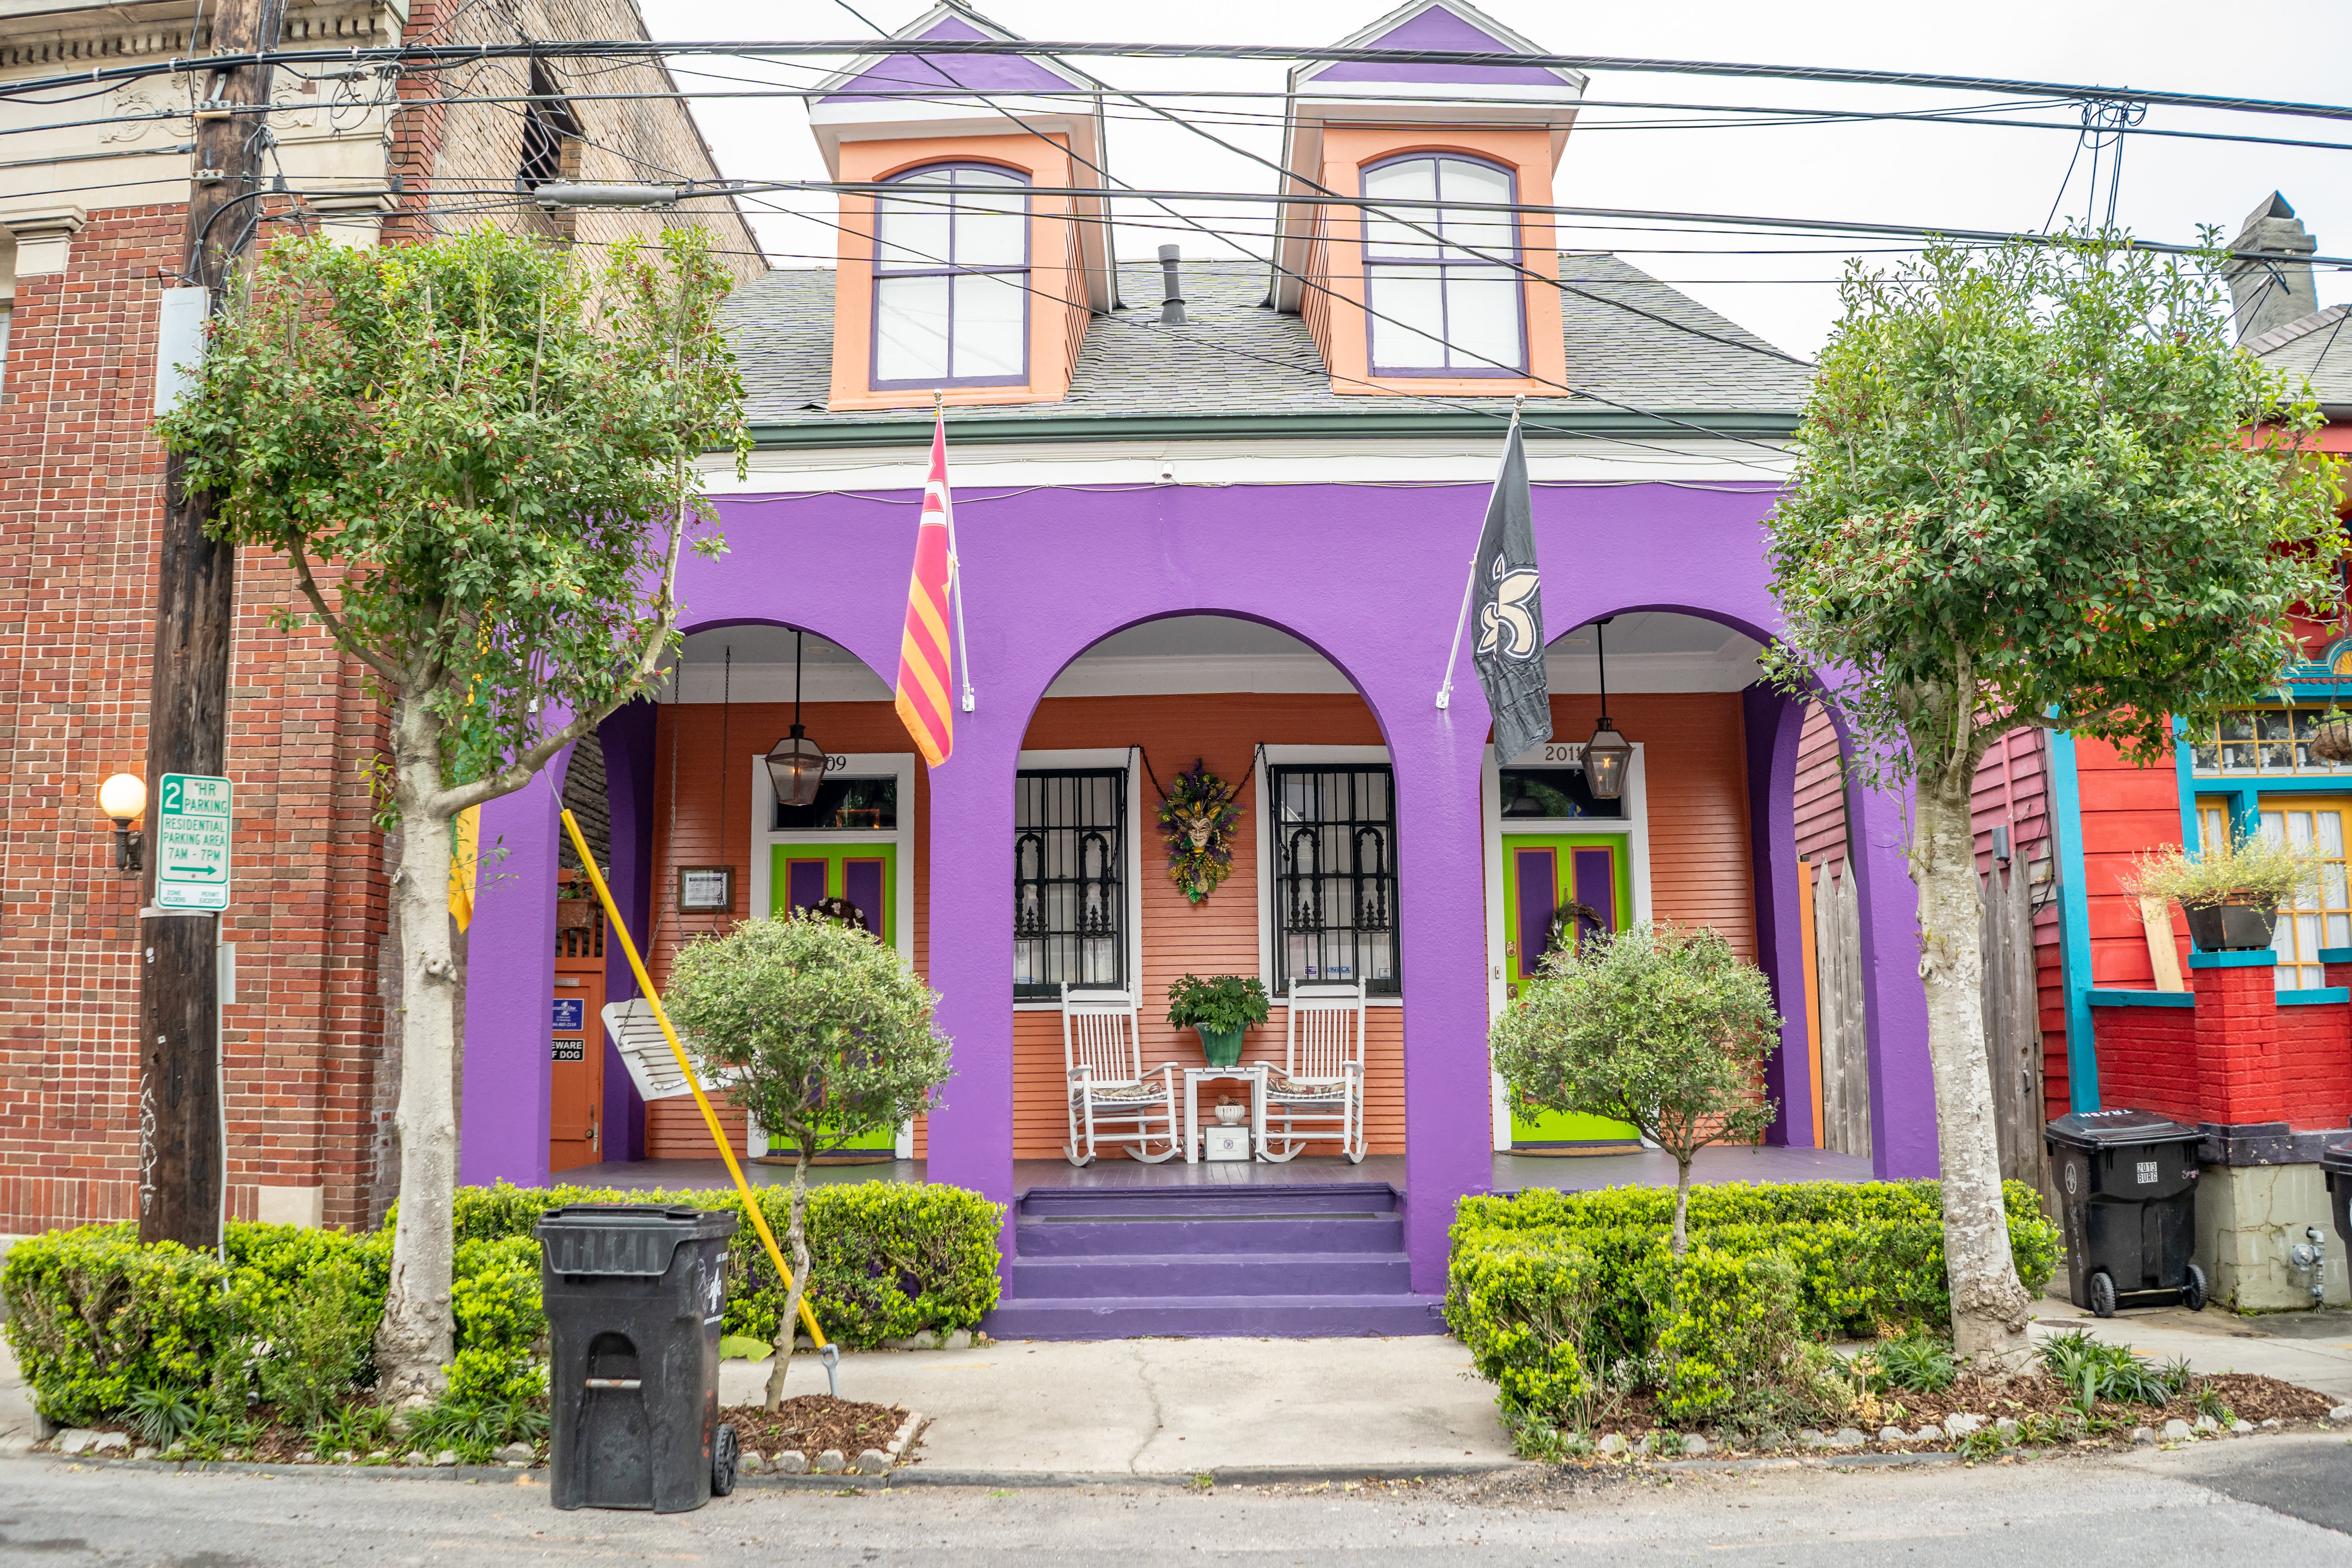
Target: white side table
(1250,1073)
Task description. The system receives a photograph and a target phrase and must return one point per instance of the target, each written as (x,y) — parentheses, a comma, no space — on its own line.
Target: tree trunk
(1989,1305)
(413,1344)
(1682,1204)
(795,1237)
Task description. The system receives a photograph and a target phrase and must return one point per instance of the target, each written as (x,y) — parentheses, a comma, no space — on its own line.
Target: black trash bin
(2127,1180)
(2335,1164)
(635,1296)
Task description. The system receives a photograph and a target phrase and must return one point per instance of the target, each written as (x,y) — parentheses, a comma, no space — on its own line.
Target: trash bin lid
(2335,1154)
(2106,1129)
(625,1238)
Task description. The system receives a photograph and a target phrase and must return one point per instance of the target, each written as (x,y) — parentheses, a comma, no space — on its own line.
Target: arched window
(952,278)
(1435,308)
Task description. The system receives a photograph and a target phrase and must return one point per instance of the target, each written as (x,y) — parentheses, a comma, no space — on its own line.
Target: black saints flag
(1508,604)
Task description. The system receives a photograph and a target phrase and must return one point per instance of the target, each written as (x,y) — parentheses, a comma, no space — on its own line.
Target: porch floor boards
(1650,1168)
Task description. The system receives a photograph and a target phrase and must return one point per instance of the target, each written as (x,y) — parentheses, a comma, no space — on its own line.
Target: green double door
(801,875)
(1543,874)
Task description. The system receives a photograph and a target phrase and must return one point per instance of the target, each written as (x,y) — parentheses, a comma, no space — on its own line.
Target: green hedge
(94,1316)
(1561,1296)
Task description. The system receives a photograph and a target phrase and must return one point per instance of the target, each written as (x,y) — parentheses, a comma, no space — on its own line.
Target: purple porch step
(1303,1260)
(1274,1317)
(1177,1279)
(1191,1233)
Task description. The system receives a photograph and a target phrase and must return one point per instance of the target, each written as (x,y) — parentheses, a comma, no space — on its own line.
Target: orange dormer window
(951,284)
(1442,286)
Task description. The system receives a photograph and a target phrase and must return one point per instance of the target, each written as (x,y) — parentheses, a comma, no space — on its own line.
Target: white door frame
(1634,824)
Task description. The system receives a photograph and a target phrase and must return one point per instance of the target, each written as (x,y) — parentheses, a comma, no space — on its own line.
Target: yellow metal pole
(709,1117)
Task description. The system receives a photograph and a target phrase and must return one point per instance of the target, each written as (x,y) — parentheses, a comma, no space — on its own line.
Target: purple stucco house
(1217,512)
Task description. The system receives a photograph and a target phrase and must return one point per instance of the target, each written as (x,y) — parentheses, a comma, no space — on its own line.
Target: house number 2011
(1574,753)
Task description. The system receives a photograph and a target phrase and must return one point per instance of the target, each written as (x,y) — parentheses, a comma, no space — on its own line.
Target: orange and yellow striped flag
(926,666)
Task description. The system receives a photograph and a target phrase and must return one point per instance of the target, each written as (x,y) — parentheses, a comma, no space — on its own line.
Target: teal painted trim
(975,427)
(2074,925)
(2115,998)
(2335,956)
(2209,785)
(2317,996)
(2192,835)
(2249,958)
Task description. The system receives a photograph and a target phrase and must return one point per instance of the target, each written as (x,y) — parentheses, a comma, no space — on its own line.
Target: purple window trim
(1371,326)
(874,381)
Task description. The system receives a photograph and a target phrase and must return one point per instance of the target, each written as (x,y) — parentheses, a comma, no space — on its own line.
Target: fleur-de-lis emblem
(1505,623)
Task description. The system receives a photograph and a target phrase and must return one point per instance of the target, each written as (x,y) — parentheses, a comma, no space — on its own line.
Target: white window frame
(1634,824)
(765,839)
(1131,874)
(1310,756)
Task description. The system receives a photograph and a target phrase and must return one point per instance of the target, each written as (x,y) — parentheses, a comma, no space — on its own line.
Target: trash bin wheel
(2102,1294)
(2192,1295)
(722,1461)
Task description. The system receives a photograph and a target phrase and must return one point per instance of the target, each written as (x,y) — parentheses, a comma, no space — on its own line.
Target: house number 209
(835,763)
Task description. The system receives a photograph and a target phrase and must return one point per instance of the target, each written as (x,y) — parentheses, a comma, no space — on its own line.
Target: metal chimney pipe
(1172,292)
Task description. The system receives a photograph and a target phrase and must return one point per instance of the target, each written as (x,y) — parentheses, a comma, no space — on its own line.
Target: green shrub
(494,1295)
(887,1260)
(1561,1296)
(93,1317)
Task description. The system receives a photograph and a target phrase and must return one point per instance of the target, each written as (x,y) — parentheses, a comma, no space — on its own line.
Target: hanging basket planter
(2332,742)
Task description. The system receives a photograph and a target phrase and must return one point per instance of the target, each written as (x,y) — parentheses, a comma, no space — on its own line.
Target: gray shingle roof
(1235,357)
(2318,346)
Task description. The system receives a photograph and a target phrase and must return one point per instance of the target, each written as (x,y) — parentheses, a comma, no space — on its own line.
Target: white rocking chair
(1111,1099)
(1319,1092)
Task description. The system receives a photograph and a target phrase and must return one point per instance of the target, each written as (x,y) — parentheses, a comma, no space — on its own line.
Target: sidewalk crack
(1158,1415)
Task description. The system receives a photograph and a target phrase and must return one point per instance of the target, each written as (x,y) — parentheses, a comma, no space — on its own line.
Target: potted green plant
(2231,892)
(1222,1008)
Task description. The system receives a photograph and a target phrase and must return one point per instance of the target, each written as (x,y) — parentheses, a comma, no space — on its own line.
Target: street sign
(191,832)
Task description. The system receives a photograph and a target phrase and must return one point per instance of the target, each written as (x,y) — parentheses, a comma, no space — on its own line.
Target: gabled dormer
(967,274)
(1404,299)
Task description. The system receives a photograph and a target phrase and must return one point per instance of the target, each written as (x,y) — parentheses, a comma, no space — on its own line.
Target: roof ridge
(2302,326)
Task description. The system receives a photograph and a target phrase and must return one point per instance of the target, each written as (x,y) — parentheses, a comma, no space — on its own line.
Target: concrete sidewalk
(2313,1349)
(1170,1406)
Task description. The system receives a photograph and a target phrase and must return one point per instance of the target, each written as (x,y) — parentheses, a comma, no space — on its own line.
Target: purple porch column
(970,1138)
(509,978)
(627,738)
(1895,1004)
(1449,1149)
(1774,723)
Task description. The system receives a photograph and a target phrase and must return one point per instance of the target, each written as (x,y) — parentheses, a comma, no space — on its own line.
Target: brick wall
(2235,1056)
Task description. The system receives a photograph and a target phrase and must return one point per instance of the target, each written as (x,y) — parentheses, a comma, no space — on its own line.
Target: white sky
(1962,176)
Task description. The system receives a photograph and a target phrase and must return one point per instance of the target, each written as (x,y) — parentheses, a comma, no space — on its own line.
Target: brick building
(90,236)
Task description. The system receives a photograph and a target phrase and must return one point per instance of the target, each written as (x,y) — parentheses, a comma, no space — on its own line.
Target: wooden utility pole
(180,1138)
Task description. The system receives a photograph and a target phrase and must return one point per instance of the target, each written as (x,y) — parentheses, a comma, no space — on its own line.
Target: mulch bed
(812,1424)
(2249,1397)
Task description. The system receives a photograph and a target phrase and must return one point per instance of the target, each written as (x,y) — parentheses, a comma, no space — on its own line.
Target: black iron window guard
(1069,882)
(1335,888)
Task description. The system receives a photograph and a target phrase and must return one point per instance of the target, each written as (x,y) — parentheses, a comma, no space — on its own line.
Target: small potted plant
(1222,1008)
(2231,892)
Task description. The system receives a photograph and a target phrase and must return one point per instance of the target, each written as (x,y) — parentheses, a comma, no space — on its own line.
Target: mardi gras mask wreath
(1197,814)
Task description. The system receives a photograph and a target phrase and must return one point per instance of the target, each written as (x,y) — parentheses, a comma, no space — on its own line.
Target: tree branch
(333,623)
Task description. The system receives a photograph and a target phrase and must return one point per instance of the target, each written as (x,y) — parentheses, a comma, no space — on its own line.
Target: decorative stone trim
(905,1438)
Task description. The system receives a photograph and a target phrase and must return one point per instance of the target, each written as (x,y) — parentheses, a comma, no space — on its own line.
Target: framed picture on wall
(702,889)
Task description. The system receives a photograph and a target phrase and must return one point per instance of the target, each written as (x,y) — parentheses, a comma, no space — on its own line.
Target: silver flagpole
(1469,585)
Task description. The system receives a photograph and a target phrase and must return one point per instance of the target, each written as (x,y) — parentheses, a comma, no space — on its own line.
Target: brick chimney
(2266,294)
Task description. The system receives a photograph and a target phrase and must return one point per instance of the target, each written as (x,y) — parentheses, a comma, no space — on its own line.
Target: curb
(531,1476)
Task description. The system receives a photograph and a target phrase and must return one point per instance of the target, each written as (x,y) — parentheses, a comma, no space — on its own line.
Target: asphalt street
(2277,1499)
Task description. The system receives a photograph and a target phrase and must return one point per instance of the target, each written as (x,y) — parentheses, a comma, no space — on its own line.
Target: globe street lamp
(124,797)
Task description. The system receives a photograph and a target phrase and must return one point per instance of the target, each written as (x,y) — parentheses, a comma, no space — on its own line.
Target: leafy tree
(2034,486)
(1661,1026)
(824,1035)
(477,459)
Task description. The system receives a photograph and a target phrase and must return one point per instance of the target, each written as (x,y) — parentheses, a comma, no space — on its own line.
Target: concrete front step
(1181,1279)
(1229,1317)
(1174,1234)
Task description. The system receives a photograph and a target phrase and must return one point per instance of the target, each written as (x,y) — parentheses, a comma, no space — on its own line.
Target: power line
(418,57)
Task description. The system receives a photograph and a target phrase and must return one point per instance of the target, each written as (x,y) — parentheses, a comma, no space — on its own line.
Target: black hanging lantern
(797,766)
(1608,754)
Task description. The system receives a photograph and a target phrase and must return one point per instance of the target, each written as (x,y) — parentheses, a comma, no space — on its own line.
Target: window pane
(1069,897)
(1334,849)
(910,328)
(1490,232)
(992,223)
(988,317)
(1410,337)
(914,233)
(1417,181)
(1482,317)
